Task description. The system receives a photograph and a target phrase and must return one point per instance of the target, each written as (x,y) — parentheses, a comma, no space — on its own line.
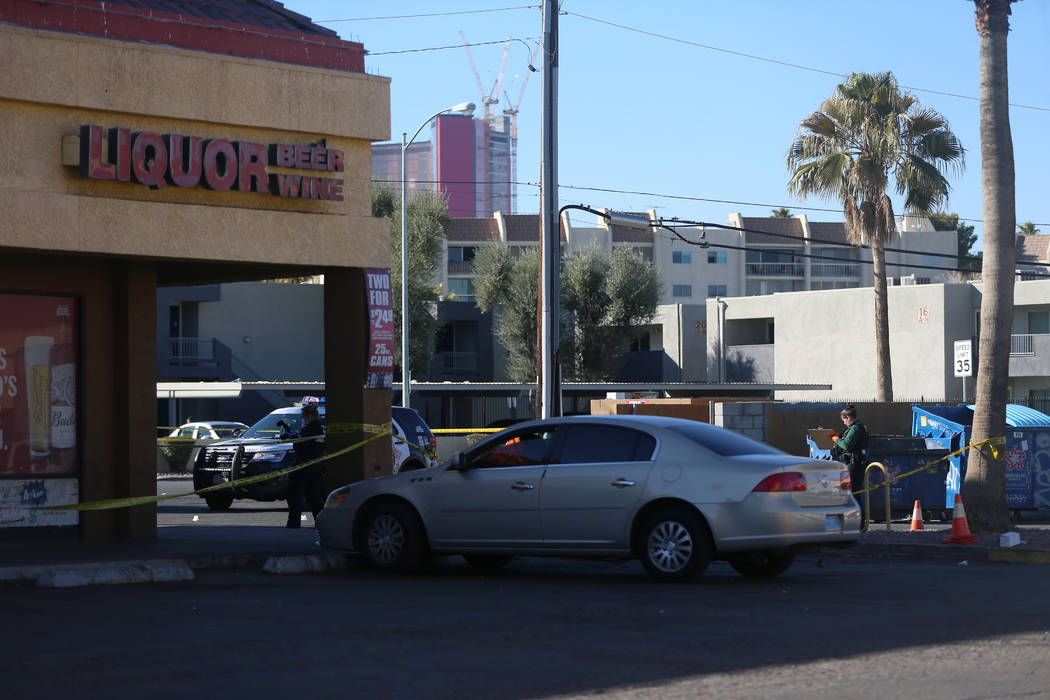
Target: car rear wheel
(762,564)
(394,538)
(219,501)
(674,545)
(488,561)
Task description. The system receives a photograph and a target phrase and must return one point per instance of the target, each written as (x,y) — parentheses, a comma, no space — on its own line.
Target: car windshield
(723,442)
(268,428)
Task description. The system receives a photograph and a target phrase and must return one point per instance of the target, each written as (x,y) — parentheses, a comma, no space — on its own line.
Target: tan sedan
(674,493)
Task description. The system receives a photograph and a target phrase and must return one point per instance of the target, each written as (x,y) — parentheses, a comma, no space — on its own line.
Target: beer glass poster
(39,357)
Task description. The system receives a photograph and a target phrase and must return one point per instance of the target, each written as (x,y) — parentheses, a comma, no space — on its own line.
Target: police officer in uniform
(307,482)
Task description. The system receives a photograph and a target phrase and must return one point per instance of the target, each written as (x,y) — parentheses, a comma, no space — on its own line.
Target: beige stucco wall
(49,206)
(828,337)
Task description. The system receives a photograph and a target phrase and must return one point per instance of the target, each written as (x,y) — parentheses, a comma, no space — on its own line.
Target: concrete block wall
(748,418)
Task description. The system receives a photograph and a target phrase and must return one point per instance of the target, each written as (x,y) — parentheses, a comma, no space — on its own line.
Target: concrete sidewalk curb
(170,569)
(310,563)
(157,570)
(948,551)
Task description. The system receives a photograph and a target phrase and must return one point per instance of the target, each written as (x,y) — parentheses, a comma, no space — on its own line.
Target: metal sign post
(963,362)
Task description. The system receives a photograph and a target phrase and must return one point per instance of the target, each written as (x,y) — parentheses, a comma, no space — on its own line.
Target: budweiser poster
(39,357)
(381,329)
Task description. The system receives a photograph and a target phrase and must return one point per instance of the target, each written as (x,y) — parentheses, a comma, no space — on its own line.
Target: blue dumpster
(1027,451)
(900,454)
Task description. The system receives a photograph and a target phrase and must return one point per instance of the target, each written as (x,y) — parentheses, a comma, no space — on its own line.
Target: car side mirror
(458,462)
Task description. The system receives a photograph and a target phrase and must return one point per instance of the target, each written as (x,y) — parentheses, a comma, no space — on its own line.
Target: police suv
(256,452)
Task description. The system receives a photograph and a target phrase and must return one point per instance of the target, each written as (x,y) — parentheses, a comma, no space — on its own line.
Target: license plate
(218,479)
(832,523)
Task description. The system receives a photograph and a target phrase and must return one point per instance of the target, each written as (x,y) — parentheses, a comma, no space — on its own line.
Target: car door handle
(623,482)
(522,486)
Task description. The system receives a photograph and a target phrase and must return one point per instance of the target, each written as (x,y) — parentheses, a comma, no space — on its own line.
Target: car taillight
(433,444)
(844,481)
(788,481)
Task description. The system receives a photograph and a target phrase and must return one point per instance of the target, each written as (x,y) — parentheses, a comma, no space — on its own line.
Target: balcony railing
(1022,344)
(460,361)
(460,268)
(192,351)
(835,270)
(775,269)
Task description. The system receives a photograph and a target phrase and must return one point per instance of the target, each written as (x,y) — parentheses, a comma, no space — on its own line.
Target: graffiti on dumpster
(1017,474)
(1041,471)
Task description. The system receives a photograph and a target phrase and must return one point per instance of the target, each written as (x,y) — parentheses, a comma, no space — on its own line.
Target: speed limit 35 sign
(963,358)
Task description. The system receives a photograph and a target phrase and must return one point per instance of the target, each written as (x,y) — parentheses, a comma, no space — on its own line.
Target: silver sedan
(674,493)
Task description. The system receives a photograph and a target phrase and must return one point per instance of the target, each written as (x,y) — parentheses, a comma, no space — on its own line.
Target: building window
(461,253)
(716,290)
(716,257)
(681,290)
(463,289)
(681,256)
(1039,322)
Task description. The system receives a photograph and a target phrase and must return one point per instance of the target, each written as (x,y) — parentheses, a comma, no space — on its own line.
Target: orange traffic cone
(960,528)
(916,517)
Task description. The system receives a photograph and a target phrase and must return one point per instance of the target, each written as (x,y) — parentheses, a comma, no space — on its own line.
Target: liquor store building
(152,144)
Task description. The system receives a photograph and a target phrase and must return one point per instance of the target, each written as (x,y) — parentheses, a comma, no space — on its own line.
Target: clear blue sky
(653,114)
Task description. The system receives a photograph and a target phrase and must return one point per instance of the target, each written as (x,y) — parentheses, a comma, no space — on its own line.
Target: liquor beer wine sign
(39,387)
(158,160)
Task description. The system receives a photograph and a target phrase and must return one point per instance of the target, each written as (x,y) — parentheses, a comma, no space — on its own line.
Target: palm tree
(848,150)
(984,489)
(1027,229)
(781,213)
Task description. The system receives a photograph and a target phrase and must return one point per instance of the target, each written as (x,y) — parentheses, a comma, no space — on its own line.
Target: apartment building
(829,337)
(750,257)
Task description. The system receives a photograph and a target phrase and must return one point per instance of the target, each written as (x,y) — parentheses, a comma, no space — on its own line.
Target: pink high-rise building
(469,160)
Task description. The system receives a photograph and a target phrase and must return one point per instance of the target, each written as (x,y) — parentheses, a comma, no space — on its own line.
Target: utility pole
(550,226)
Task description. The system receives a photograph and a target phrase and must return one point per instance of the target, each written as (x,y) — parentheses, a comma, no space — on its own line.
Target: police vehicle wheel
(219,501)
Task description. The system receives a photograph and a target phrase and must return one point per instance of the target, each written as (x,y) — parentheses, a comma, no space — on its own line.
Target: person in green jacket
(851,449)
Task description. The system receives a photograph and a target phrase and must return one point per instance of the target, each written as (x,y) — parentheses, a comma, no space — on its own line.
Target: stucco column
(132,422)
(348,402)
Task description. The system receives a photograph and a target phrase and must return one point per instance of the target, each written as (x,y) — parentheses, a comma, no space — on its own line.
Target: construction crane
(512,112)
(491,97)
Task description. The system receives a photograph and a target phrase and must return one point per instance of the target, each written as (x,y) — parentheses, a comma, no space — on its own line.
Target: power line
(431,14)
(640,193)
(778,62)
(826,241)
(455,46)
(816,256)
(721,201)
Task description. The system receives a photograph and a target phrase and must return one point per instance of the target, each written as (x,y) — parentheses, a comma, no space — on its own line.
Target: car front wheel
(219,501)
(674,545)
(393,538)
(762,564)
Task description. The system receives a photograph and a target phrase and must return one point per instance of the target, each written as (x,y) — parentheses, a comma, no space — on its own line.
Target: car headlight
(268,456)
(336,498)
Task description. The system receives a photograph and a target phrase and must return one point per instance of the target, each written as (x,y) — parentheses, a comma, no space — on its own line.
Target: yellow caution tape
(340,428)
(144,500)
(991,442)
(463,431)
(333,429)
